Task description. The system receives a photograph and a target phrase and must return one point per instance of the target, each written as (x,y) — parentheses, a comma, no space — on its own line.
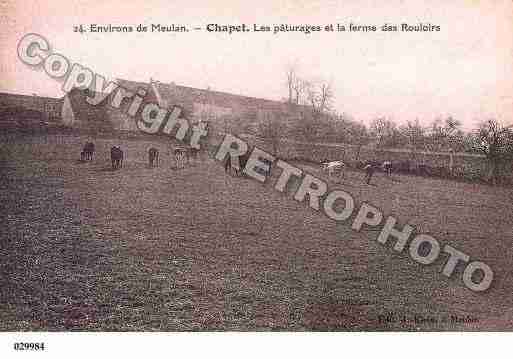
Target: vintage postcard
(290,166)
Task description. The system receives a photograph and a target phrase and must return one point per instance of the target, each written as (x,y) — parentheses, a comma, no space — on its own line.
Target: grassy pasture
(87,248)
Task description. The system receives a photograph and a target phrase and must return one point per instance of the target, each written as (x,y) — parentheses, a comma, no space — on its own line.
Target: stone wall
(464,165)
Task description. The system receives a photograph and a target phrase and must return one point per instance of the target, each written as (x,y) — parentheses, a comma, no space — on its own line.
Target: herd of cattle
(182,156)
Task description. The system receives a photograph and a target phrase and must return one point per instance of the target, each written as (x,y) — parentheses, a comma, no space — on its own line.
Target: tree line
(311,118)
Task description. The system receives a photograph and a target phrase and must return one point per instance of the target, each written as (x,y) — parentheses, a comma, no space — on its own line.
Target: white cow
(334,168)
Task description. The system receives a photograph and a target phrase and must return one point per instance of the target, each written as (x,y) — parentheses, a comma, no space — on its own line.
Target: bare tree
(291,80)
(386,133)
(296,86)
(299,88)
(320,97)
(272,129)
(312,100)
(415,135)
(359,136)
(445,134)
(496,143)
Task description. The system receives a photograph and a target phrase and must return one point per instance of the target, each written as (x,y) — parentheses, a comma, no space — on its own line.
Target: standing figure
(153,156)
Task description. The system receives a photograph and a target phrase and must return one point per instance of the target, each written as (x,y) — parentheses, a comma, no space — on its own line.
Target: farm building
(222,110)
(34,107)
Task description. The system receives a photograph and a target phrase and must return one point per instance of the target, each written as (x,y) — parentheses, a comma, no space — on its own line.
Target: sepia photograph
(293,167)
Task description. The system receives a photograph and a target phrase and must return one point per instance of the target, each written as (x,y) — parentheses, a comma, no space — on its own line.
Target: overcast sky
(465,70)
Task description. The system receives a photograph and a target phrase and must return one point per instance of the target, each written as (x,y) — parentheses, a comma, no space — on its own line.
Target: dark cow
(116,156)
(87,153)
(242,163)
(153,156)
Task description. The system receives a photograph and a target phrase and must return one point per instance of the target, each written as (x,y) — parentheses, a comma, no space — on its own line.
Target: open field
(86,248)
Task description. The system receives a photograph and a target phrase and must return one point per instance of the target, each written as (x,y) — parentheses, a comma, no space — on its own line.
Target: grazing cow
(334,168)
(387,167)
(180,157)
(153,156)
(243,160)
(87,153)
(116,156)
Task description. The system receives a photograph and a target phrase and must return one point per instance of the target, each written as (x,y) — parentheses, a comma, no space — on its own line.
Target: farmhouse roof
(169,94)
